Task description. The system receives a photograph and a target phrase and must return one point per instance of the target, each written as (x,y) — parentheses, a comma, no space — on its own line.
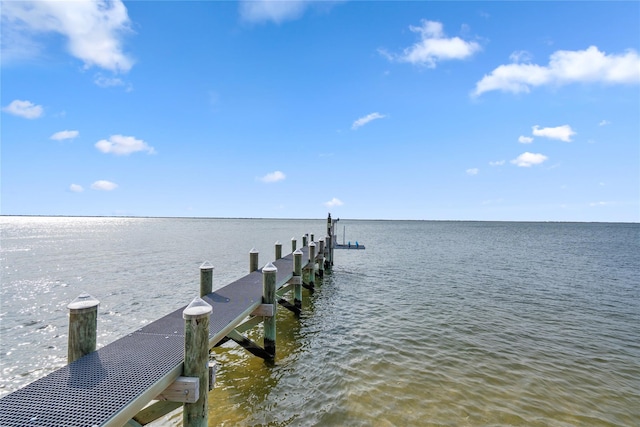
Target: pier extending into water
(143,376)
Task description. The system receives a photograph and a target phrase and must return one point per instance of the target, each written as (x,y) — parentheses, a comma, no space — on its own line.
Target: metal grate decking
(111,385)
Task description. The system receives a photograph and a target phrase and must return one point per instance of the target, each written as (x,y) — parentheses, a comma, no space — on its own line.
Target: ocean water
(434,324)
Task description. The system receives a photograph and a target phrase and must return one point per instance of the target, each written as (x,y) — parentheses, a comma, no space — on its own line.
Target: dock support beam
(206,278)
(321,259)
(83,326)
(297,279)
(312,263)
(269,297)
(328,252)
(329,242)
(196,360)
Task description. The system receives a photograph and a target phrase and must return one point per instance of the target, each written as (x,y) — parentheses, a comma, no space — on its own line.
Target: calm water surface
(435,323)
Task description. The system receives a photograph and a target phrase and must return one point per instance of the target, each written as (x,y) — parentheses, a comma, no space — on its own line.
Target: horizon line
(315,219)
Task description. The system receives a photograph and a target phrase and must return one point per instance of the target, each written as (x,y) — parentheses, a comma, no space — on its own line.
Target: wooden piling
(83,326)
(278,250)
(253,260)
(321,258)
(196,360)
(269,297)
(329,224)
(297,278)
(334,241)
(206,278)
(294,243)
(312,261)
(304,240)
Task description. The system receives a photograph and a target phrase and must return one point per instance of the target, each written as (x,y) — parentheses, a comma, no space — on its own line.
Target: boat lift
(348,245)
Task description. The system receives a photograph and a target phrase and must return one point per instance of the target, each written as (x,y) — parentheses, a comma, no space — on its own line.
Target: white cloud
(76,188)
(26,109)
(565,67)
(563,133)
(277,11)
(103,185)
(433,46)
(121,145)
(273,177)
(497,163)
(333,203)
(525,140)
(64,134)
(473,171)
(94,29)
(604,123)
(520,56)
(366,119)
(105,82)
(527,159)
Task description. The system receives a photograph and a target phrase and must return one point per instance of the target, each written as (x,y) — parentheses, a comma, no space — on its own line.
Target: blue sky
(382,110)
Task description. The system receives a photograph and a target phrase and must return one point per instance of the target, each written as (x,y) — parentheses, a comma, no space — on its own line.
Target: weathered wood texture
(206,278)
(269,297)
(196,358)
(83,327)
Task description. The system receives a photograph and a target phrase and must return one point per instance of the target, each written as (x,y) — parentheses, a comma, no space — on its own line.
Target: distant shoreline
(316,219)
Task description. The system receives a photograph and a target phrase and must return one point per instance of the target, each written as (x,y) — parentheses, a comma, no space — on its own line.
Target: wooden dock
(116,384)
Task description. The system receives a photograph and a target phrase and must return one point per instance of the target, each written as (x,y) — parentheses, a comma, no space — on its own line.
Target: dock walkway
(111,385)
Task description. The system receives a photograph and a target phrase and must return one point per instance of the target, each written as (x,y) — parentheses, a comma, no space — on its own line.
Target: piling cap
(278,242)
(269,268)
(298,252)
(206,266)
(253,251)
(293,238)
(197,308)
(312,244)
(84,300)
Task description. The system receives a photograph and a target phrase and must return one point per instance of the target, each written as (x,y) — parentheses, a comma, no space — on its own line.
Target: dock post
(313,237)
(329,224)
(321,259)
(206,278)
(269,297)
(297,278)
(83,326)
(329,242)
(278,250)
(312,264)
(196,360)
(253,260)
(304,240)
(294,244)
